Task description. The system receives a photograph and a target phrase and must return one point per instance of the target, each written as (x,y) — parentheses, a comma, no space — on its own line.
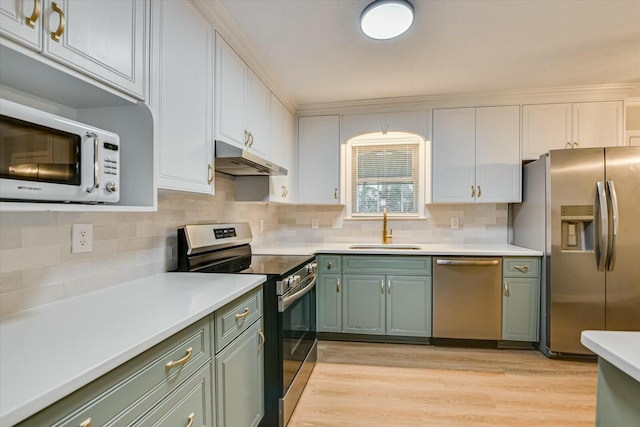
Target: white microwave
(44,157)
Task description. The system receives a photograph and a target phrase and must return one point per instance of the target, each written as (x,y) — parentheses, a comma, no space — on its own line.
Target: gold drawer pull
(182,361)
(55,36)
(338,285)
(31,21)
(522,268)
(86,423)
(329,265)
(479,191)
(209,174)
(506,289)
(243,314)
(192,416)
(567,145)
(262,340)
(473,191)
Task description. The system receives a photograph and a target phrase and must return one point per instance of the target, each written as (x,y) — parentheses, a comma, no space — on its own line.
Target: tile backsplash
(37,266)
(478,223)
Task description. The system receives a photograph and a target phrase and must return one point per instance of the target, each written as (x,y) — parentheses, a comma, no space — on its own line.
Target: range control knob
(111,187)
(312,267)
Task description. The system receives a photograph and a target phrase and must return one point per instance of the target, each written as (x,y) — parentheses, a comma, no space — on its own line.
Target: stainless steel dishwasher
(467,298)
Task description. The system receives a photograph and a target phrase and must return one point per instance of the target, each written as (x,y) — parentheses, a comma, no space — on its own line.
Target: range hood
(239,162)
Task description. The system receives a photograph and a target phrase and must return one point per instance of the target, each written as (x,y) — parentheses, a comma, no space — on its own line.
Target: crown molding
(226,26)
(608,92)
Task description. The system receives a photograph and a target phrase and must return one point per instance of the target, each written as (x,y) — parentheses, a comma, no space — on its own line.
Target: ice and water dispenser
(577,227)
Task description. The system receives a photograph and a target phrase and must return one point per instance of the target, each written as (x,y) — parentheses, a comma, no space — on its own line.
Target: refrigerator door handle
(602,235)
(611,259)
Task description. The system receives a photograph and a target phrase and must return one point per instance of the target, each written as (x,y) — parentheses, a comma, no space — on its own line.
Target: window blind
(385,175)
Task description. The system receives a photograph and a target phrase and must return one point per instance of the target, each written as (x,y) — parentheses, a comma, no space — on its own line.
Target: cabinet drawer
(521,267)
(237,316)
(124,394)
(387,264)
(189,403)
(329,263)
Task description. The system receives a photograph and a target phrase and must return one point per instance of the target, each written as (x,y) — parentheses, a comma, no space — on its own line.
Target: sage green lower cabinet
(363,304)
(521,299)
(408,306)
(329,304)
(239,380)
(386,295)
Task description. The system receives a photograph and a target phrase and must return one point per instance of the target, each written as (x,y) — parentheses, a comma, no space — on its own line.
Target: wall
(479,223)
(37,266)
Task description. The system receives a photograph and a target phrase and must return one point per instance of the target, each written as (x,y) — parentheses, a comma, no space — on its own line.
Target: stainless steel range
(289,312)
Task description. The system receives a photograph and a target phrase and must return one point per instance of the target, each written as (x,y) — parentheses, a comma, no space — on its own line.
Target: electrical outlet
(337,223)
(455,223)
(314,223)
(81,238)
(261,226)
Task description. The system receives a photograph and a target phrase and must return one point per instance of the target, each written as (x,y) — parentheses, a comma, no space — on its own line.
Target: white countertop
(50,351)
(425,249)
(621,349)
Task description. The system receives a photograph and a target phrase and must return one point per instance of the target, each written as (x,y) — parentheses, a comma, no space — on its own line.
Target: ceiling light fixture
(386,19)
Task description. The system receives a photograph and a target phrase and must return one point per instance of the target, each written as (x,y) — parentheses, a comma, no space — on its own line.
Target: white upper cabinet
(103,39)
(21,21)
(415,122)
(183,51)
(319,159)
(476,155)
(284,152)
(561,126)
(242,102)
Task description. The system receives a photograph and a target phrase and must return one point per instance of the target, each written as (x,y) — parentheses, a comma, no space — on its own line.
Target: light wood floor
(363,384)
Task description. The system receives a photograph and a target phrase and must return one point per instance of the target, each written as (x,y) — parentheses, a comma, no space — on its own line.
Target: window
(384,171)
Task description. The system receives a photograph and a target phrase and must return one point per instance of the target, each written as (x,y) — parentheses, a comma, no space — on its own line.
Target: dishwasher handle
(460,262)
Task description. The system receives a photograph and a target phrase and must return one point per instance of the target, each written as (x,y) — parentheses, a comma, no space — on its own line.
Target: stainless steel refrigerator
(582,209)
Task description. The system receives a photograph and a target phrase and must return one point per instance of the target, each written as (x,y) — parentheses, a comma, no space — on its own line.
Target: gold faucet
(386,238)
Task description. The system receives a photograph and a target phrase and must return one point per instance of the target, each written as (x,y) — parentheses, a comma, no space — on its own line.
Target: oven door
(297,311)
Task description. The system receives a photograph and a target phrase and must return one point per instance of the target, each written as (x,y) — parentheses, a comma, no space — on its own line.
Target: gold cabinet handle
(382,287)
(55,36)
(575,145)
(389,287)
(523,268)
(337,285)
(250,139)
(192,416)
(243,314)
(31,22)
(567,145)
(286,191)
(246,138)
(335,194)
(479,191)
(506,289)
(209,173)
(473,192)
(182,361)
(262,340)
(329,265)
(85,423)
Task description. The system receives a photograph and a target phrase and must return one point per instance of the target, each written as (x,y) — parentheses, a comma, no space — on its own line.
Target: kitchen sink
(398,246)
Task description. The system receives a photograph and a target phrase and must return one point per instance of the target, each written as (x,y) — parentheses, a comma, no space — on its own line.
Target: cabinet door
(408,306)
(183,52)
(498,168)
(114,53)
(545,127)
(258,115)
(319,159)
(284,152)
(13,22)
(363,304)
(239,380)
(598,124)
(230,95)
(454,156)
(520,309)
(329,303)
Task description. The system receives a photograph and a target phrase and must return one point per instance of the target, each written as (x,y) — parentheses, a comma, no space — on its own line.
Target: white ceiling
(315,52)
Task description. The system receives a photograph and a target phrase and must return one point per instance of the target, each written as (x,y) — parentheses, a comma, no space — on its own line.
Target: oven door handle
(285,302)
